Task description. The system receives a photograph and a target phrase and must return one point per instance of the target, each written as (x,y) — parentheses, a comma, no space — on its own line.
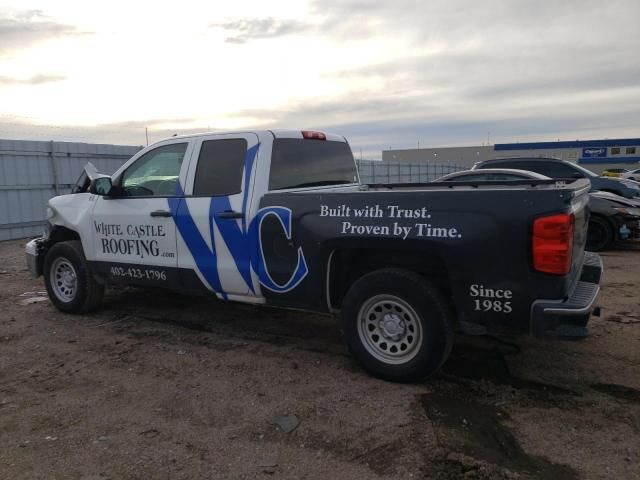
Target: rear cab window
(298,163)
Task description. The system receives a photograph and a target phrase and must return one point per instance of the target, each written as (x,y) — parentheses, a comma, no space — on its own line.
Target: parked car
(632,175)
(491,174)
(613,172)
(613,218)
(562,170)
(280,218)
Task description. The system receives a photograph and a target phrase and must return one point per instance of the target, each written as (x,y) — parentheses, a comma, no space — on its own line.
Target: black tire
(396,296)
(71,287)
(600,234)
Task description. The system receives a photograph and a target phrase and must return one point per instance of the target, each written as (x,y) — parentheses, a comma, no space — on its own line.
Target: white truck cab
(184,213)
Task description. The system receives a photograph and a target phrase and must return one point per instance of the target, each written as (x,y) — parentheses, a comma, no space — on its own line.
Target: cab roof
(277,133)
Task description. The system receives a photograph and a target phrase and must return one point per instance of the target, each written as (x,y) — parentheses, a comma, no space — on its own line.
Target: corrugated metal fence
(33,172)
(384,172)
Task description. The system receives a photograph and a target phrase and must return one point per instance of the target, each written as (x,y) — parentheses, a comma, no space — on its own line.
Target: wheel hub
(392,327)
(68,278)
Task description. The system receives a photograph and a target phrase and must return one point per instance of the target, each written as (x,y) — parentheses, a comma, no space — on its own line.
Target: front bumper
(568,318)
(34,254)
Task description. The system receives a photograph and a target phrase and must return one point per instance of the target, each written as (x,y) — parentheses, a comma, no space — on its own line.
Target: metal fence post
(56,182)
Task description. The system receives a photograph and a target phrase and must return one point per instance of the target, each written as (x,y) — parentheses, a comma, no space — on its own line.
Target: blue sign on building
(594,152)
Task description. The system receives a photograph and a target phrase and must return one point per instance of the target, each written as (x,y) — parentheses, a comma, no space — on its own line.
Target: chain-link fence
(383,172)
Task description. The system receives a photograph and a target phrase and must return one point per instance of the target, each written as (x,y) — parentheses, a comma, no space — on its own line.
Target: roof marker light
(312,135)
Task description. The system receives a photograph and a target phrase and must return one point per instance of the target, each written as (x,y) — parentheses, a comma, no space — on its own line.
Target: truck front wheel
(397,325)
(69,283)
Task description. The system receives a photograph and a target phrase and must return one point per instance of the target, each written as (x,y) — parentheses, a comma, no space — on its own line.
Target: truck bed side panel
(482,237)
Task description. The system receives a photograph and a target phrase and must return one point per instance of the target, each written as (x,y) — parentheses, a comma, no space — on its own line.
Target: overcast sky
(383,73)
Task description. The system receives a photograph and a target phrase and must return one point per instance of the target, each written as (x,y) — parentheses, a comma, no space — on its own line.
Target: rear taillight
(311,135)
(553,243)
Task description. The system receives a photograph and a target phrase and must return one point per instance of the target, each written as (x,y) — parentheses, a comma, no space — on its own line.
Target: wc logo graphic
(243,241)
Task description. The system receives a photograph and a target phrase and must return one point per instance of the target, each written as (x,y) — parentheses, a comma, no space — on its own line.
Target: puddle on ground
(476,430)
(618,391)
(476,363)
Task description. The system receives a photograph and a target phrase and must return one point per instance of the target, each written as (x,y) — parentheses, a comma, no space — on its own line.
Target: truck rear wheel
(69,283)
(397,325)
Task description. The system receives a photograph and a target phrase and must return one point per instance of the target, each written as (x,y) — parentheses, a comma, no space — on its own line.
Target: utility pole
(146,134)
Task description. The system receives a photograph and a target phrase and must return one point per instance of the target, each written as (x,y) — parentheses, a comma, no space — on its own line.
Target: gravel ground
(156,385)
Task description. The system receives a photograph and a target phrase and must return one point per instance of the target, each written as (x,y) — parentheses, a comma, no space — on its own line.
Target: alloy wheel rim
(64,280)
(390,329)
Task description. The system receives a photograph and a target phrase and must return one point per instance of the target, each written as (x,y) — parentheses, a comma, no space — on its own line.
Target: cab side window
(470,178)
(220,167)
(156,173)
(531,166)
(560,170)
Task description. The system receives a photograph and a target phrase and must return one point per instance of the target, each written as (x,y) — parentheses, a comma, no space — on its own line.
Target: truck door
(213,219)
(134,236)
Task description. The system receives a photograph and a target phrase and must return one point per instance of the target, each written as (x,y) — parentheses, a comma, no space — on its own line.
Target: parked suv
(561,170)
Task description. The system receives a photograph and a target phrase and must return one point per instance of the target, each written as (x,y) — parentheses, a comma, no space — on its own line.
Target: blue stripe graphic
(204,257)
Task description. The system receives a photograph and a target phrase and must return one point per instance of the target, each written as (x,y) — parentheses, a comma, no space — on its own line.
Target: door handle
(160,213)
(228,214)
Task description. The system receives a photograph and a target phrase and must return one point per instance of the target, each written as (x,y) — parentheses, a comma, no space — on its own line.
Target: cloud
(129,132)
(373,121)
(521,70)
(247,29)
(27,28)
(34,80)
(442,72)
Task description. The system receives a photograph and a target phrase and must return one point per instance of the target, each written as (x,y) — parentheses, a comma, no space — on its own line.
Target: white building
(596,155)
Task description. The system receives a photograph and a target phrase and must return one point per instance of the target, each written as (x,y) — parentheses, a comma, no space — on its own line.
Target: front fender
(73,212)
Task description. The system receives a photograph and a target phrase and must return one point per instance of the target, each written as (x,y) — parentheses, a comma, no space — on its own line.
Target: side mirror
(101,186)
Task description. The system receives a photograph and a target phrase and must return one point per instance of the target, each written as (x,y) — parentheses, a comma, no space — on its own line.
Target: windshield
(588,173)
(297,163)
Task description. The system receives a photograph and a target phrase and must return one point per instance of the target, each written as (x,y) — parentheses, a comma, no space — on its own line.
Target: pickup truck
(280,218)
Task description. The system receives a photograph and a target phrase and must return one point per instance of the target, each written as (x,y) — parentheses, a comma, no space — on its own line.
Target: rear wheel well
(348,265)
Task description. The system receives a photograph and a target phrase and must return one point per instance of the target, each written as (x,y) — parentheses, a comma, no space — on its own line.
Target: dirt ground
(161,386)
